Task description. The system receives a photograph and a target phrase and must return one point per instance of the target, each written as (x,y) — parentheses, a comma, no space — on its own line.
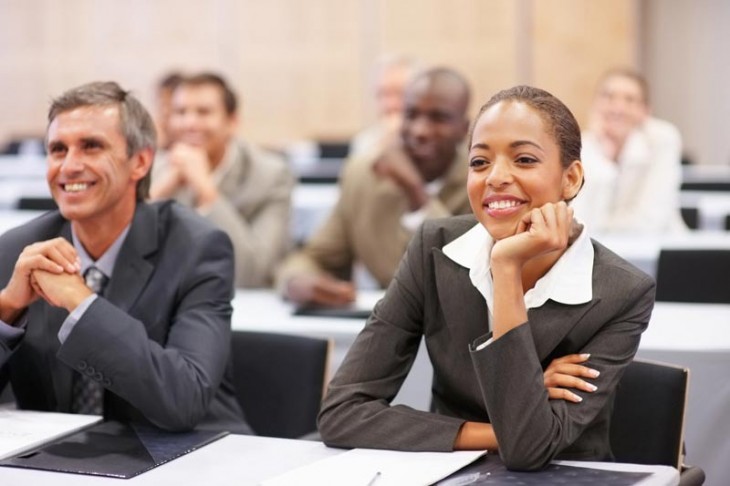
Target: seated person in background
(632,162)
(384,199)
(390,78)
(242,189)
(112,305)
(522,313)
(164,91)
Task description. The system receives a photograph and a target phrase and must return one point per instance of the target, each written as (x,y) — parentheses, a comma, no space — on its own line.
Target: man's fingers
(63,258)
(40,262)
(333,292)
(58,251)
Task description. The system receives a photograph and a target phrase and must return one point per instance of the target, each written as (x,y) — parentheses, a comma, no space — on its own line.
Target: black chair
(37,203)
(691,217)
(694,276)
(279,381)
(714,186)
(647,424)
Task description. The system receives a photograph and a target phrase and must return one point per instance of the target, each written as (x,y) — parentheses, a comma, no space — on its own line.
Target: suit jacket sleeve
(356,411)
(530,428)
(260,239)
(171,384)
(329,250)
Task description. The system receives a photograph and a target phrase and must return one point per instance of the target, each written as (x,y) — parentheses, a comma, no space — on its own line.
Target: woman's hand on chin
(541,231)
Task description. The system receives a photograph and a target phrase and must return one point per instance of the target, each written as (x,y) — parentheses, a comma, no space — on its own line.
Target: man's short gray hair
(135,121)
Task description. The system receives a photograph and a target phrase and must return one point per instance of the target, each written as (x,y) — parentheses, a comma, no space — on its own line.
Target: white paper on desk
(22,430)
(358,467)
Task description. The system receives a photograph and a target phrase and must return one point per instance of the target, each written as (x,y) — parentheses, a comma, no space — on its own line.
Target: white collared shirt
(569,281)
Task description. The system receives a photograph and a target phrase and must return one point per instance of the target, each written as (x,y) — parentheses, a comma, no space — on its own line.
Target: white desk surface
(688,327)
(706,172)
(266,311)
(245,460)
(634,247)
(673,326)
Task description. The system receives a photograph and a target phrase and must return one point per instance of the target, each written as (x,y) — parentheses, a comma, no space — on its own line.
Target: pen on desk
(373,479)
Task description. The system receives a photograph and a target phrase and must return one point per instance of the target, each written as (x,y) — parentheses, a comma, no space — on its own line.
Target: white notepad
(22,430)
(372,467)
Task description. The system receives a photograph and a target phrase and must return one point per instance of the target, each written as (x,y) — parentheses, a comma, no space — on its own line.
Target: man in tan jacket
(383,199)
(241,188)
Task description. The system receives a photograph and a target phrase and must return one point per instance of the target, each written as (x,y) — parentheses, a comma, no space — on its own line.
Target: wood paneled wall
(302,66)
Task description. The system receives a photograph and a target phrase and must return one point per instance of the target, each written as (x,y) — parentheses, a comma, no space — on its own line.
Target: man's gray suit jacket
(433,297)
(159,338)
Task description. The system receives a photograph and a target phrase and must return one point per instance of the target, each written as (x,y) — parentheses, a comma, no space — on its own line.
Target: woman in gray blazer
(529,324)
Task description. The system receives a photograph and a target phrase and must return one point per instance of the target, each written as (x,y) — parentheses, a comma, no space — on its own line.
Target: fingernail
(577,398)
(595,373)
(592,387)
(585,355)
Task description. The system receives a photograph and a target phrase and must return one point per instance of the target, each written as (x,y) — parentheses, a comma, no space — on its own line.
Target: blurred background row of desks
(704,199)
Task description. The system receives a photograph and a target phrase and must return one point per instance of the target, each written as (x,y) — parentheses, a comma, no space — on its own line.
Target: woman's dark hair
(556,116)
(558,119)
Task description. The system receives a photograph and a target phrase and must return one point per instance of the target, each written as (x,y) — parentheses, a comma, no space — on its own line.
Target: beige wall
(684,51)
(302,66)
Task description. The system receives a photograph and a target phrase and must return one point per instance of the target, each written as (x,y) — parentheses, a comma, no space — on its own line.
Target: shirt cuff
(484,344)
(70,322)
(481,342)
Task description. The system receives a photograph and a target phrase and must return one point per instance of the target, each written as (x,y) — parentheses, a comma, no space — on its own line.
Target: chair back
(279,381)
(694,276)
(647,423)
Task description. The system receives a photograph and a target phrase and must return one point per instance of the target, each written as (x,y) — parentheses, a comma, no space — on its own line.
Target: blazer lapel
(460,301)
(132,269)
(552,322)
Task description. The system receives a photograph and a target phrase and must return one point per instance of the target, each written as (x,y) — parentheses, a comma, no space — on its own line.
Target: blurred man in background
(243,189)
(632,161)
(385,197)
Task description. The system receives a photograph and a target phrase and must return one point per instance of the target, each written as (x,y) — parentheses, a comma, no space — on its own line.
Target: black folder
(351,312)
(489,470)
(113,449)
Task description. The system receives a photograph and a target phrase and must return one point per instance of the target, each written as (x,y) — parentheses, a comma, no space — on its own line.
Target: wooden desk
(238,460)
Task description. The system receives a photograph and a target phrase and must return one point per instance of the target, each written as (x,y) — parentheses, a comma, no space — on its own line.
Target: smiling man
(632,162)
(112,305)
(239,187)
(383,199)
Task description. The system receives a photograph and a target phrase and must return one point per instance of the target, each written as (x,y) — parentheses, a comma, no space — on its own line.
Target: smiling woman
(529,323)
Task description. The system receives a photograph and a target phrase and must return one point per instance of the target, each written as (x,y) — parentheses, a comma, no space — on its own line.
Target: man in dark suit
(111,304)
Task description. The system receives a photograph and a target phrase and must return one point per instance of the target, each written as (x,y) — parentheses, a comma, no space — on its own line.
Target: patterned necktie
(88,394)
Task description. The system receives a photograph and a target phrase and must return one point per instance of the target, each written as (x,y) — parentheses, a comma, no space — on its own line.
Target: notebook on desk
(112,449)
(360,309)
(22,430)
